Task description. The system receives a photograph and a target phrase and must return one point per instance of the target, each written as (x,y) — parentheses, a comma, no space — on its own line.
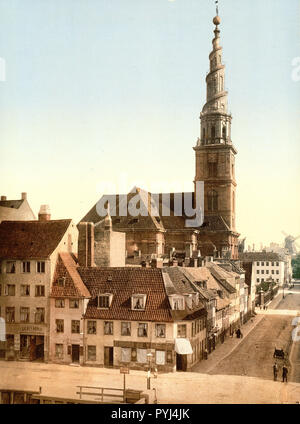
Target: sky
(102,95)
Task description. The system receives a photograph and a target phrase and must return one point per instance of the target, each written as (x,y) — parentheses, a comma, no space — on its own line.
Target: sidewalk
(231,343)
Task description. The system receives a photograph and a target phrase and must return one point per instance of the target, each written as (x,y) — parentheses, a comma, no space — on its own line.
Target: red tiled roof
(123,283)
(73,286)
(31,239)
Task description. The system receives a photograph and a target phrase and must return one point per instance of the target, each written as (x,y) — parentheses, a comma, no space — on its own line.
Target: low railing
(104,393)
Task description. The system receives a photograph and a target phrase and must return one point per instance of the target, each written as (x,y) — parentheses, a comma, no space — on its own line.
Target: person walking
(284,374)
(275,371)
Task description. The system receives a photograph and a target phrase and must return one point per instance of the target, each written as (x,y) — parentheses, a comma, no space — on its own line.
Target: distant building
(16,210)
(266,266)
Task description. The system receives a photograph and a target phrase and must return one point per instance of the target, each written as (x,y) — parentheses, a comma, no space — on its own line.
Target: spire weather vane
(217,6)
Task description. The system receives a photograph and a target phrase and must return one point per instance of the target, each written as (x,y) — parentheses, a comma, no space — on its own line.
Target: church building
(161,233)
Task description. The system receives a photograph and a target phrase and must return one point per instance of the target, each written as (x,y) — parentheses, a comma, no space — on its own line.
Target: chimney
(44,213)
(3,198)
(157,263)
(174,262)
(86,244)
(24,196)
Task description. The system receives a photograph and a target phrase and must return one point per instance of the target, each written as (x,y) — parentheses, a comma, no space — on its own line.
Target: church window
(221,83)
(203,134)
(213,132)
(212,169)
(224,132)
(212,200)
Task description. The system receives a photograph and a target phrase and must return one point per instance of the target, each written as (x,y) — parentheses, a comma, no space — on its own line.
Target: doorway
(108,356)
(75,353)
(31,347)
(181,362)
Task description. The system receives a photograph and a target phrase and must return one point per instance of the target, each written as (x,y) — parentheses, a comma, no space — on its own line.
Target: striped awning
(183,347)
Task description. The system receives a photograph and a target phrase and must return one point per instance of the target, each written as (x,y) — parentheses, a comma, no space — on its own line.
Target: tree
(296,266)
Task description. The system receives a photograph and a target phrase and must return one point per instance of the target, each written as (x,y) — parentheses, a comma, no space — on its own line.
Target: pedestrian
(284,374)
(275,371)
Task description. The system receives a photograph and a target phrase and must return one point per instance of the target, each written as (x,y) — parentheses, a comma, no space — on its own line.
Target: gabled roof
(214,223)
(66,268)
(176,282)
(122,283)
(31,239)
(15,204)
(222,276)
(260,256)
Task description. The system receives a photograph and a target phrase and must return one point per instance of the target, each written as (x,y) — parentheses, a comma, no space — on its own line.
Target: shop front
(26,342)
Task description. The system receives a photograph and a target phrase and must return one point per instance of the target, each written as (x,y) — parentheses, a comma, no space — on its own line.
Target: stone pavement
(172,388)
(231,343)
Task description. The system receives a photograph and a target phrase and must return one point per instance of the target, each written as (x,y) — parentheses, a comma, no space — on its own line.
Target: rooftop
(31,239)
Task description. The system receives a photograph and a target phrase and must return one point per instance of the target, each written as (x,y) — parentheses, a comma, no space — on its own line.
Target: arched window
(233,201)
(213,132)
(212,201)
(221,83)
(224,132)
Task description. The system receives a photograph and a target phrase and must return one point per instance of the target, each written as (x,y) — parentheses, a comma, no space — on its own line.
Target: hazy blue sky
(110,91)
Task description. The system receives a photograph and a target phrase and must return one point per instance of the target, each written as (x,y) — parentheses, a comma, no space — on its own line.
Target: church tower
(215,161)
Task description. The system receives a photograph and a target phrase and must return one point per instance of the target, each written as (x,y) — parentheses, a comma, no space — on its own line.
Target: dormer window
(61,281)
(104,300)
(189,300)
(177,303)
(138,302)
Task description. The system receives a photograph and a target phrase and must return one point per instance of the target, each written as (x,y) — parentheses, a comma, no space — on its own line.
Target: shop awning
(183,347)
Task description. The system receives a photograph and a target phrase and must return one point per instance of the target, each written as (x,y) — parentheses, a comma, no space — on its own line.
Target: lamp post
(149,357)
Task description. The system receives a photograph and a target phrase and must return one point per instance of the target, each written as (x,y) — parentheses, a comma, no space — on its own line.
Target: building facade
(28,255)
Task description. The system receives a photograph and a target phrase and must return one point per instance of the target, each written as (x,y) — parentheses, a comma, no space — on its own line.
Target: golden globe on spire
(217,20)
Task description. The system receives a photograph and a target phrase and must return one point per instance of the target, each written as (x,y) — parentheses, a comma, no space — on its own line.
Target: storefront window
(125,354)
(142,356)
(160,357)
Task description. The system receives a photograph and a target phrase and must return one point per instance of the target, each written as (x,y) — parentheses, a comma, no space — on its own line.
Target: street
(254,355)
